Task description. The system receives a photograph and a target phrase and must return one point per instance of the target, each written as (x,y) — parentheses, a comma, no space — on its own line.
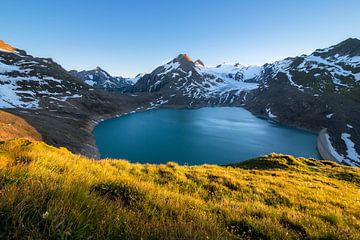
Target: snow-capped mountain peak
(195,80)
(183,57)
(99,78)
(99,70)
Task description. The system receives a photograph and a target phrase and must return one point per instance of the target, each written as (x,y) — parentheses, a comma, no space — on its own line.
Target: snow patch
(329,115)
(332,150)
(169,67)
(284,67)
(271,115)
(4,68)
(351,152)
(90,82)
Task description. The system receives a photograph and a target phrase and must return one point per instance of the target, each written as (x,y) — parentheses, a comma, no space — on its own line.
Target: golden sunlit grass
(48,192)
(12,126)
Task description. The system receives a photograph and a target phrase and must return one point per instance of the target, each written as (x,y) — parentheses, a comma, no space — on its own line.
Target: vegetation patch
(8,178)
(275,199)
(128,195)
(331,218)
(348,177)
(294,227)
(165,176)
(245,230)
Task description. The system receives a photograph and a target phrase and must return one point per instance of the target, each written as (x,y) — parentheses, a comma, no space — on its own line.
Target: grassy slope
(47,192)
(12,126)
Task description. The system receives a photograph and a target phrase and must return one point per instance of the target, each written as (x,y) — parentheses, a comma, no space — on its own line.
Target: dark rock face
(99,78)
(349,47)
(199,63)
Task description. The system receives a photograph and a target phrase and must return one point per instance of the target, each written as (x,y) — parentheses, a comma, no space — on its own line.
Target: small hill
(50,193)
(12,126)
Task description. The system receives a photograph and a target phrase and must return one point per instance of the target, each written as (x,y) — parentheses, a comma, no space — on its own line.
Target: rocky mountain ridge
(32,82)
(99,78)
(333,69)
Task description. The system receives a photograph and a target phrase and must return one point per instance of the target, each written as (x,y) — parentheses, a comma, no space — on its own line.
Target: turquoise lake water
(206,135)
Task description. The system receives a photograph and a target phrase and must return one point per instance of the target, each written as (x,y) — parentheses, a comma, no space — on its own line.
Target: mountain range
(319,92)
(99,78)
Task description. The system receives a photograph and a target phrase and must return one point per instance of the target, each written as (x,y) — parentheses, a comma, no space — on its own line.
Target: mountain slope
(12,126)
(99,78)
(317,91)
(49,193)
(32,82)
(333,69)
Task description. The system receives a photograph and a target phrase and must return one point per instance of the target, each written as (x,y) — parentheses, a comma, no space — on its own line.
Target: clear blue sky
(129,37)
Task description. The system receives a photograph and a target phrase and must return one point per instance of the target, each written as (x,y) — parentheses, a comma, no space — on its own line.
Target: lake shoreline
(78,131)
(324,147)
(266,149)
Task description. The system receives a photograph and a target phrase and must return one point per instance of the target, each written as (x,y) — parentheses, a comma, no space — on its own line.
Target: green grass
(48,192)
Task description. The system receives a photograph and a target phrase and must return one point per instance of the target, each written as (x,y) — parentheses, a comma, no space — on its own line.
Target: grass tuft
(127,194)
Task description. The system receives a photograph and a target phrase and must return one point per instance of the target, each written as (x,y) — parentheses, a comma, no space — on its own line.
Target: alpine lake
(216,135)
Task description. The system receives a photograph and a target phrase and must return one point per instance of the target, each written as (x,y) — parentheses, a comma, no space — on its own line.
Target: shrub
(130,196)
(331,218)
